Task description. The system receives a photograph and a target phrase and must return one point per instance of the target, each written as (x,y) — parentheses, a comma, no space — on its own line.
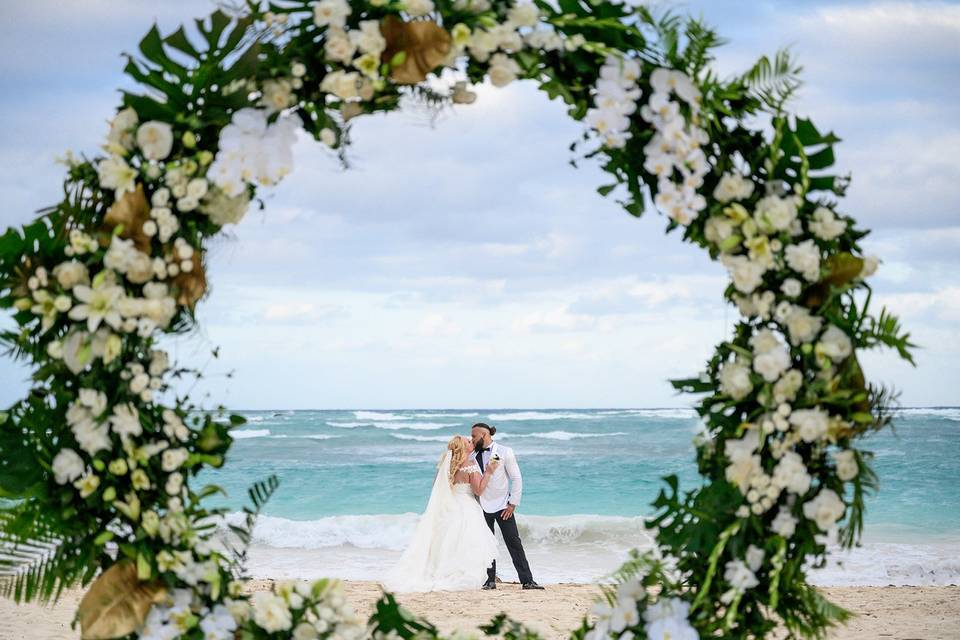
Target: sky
(463,263)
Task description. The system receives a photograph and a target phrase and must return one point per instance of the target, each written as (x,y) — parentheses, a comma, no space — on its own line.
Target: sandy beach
(897,613)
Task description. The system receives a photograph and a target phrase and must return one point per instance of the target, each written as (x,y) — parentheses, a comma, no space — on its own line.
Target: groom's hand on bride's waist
(507,513)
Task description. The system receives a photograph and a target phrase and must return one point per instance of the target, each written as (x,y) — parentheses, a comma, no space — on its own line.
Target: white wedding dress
(452,546)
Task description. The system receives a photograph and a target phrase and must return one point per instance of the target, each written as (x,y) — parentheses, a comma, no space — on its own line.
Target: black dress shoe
(489,584)
(531,585)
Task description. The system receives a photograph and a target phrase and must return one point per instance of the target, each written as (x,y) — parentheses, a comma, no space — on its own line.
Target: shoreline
(930,613)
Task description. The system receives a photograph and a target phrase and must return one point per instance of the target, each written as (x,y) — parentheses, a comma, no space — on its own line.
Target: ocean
(353,482)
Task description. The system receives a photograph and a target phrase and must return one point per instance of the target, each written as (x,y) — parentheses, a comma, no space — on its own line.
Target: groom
(499,501)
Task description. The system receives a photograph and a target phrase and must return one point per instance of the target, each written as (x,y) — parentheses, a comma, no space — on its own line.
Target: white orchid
(253,151)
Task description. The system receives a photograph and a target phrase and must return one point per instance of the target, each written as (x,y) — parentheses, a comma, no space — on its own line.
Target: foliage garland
(95,469)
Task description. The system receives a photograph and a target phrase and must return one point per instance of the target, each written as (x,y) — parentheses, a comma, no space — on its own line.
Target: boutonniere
(495,457)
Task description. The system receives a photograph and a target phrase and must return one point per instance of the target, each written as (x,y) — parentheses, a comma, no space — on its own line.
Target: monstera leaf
(183,75)
(806,153)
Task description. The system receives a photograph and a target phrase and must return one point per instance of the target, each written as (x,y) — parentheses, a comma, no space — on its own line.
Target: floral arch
(95,470)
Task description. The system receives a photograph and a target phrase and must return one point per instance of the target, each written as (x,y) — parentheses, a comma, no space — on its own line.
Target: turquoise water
(598,462)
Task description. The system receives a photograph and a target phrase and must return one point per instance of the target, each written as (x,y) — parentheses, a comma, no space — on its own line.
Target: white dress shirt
(505,484)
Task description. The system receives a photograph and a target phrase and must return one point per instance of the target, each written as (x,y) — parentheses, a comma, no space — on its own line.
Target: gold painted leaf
(843,268)
(117,603)
(190,287)
(424,43)
(131,211)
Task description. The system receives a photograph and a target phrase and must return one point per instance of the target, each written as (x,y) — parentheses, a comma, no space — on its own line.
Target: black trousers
(511,536)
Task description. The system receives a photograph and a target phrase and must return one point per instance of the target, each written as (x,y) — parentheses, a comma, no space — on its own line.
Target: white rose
(270,612)
(277,94)
(173,459)
(826,509)
(67,466)
(94,400)
(121,126)
(835,344)
(785,390)
(847,468)
(739,576)
(197,188)
(369,39)
(735,380)
(870,264)
(417,8)
(338,46)
(305,631)
(811,424)
(328,137)
(331,13)
(774,213)
(741,469)
(503,70)
(155,139)
(826,225)
(804,258)
(791,473)
(718,229)
(763,341)
(754,557)
(784,524)
(733,186)
(524,14)
(772,363)
(342,84)
(125,421)
(174,483)
(791,287)
(746,274)
(802,325)
(71,273)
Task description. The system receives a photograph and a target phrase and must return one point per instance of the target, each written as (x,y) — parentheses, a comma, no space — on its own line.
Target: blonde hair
(458,453)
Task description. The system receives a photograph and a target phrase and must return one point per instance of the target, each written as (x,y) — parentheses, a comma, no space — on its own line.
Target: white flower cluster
(178,614)
(742,574)
(253,151)
(324,608)
(790,474)
(153,138)
(666,619)
(676,145)
(343,45)
(616,619)
(615,100)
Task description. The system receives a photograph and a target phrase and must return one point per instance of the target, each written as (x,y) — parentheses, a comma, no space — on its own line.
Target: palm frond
(886,330)
(774,81)
(260,493)
(37,562)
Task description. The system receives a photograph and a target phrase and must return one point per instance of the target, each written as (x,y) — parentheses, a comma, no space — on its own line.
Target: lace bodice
(470,468)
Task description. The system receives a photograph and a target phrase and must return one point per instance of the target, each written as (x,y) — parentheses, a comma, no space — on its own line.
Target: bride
(452,546)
